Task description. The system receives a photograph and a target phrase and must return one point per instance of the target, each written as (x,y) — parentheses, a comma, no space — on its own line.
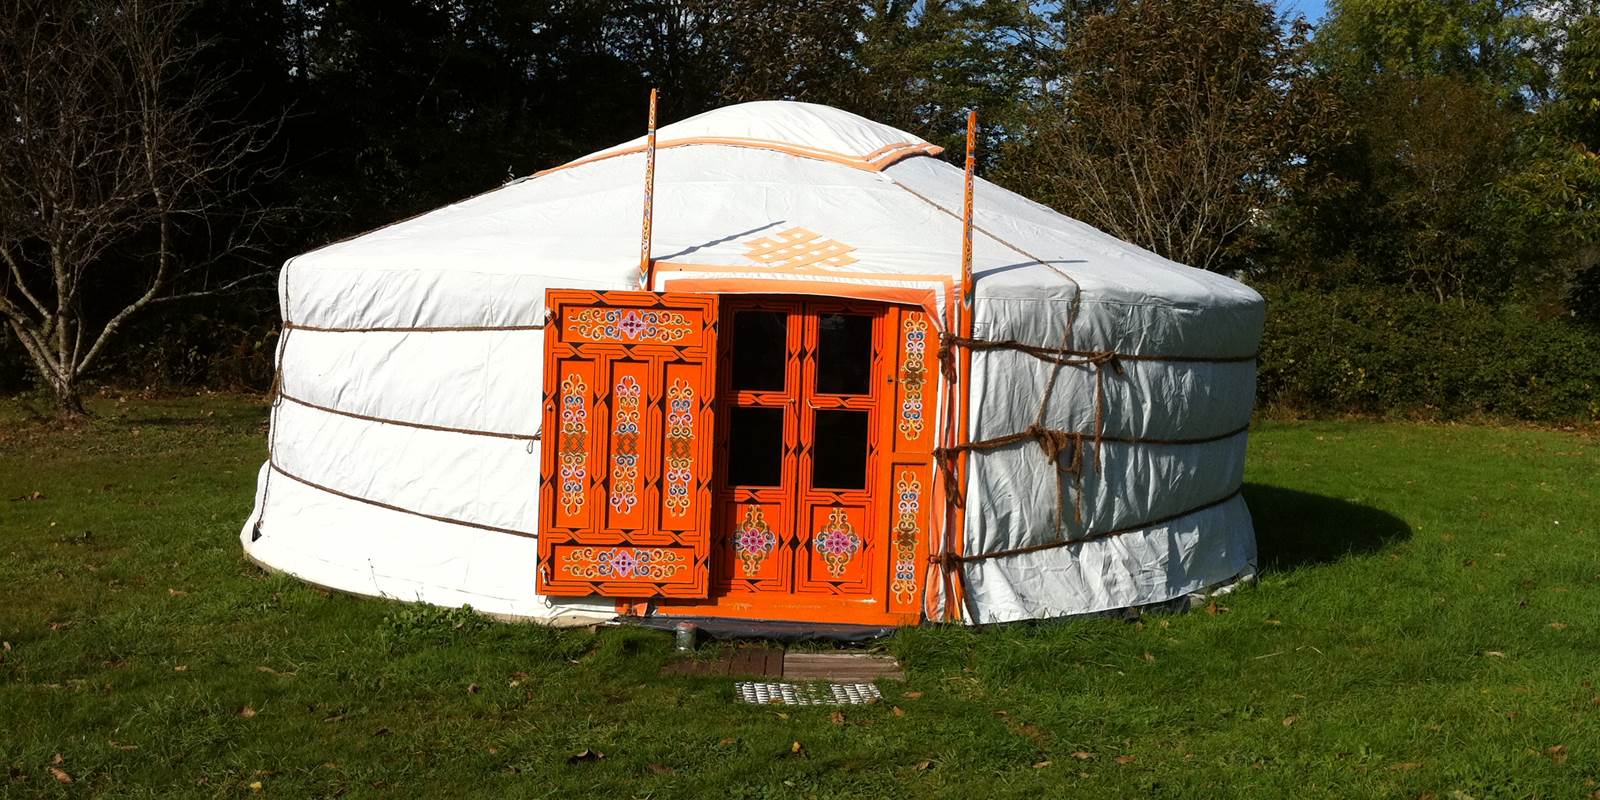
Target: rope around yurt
(1056,442)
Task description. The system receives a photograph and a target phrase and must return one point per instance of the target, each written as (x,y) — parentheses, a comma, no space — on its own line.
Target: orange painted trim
(922,298)
(876,161)
(966,214)
(929,277)
(646,269)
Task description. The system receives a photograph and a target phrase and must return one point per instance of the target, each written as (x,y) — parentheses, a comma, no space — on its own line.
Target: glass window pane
(755,447)
(839,454)
(844,354)
(760,347)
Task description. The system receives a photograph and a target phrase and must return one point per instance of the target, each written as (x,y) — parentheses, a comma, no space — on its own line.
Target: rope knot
(948,342)
(1053,442)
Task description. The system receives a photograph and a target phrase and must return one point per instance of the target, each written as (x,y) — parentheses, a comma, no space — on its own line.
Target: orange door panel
(838,551)
(625,499)
(755,552)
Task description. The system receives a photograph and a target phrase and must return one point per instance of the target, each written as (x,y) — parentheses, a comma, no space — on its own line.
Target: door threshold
(775,630)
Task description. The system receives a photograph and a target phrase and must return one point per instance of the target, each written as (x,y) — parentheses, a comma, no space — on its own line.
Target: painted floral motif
(908,494)
(680,446)
(629,324)
(573,450)
(640,563)
(837,542)
(753,540)
(913,376)
(625,445)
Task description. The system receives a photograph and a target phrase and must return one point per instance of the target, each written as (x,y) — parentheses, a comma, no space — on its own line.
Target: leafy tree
(1171,123)
(1456,178)
(1492,43)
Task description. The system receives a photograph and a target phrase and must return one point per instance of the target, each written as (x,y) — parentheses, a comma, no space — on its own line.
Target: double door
(810,394)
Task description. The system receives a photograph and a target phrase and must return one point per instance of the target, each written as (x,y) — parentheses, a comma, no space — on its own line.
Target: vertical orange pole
(647,268)
(955,600)
(966,224)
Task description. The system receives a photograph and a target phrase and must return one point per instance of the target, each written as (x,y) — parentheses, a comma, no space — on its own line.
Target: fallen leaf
(1405,765)
(1494,654)
(797,749)
(660,769)
(924,765)
(912,695)
(727,740)
(472,688)
(275,673)
(898,711)
(58,759)
(836,717)
(1560,626)
(493,750)
(1148,657)
(175,592)
(1124,759)
(60,775)
(1041,764)
(1214,608)
(1290,720)
(255,786)
(1557,753)
(585,754)
(181,668)
(1083,756)
(124,747)
(247,712)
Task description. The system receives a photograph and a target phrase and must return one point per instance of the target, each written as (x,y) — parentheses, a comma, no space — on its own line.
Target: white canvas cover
(352,501)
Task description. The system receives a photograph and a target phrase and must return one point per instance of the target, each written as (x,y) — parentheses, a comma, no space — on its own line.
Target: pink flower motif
(632,324)
(623,562)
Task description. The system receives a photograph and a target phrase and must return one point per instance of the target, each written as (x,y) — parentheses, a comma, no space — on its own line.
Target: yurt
(773,364)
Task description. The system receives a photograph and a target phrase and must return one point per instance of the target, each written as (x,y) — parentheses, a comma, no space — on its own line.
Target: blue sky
(1313,9)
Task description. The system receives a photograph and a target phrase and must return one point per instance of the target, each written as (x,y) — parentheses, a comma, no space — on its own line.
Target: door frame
(897,496)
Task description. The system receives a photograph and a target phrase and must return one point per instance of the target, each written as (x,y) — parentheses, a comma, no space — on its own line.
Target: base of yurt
(692,629)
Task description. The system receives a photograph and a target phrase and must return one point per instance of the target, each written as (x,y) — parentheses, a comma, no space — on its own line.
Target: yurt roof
(737,185)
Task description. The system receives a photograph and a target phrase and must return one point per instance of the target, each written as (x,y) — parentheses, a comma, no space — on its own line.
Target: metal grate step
(790,694)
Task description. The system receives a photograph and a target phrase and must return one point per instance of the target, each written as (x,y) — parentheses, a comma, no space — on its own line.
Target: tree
(118,190)
(1171,123)
(1499,44)
(1463,175)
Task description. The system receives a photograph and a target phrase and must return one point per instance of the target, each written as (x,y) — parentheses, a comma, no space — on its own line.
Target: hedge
(1366,350)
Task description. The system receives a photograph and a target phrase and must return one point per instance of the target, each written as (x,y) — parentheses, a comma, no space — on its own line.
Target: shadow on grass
(1298,529)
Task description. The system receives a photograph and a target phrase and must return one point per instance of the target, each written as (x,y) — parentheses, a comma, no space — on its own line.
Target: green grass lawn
(1427,622)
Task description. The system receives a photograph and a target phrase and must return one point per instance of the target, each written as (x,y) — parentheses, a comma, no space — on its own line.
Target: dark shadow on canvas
(1299,529)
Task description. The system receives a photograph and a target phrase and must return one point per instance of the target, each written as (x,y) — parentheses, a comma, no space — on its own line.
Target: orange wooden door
(625,496)
(824,462)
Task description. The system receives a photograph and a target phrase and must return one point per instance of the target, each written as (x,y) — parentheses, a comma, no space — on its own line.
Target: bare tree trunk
(108,147)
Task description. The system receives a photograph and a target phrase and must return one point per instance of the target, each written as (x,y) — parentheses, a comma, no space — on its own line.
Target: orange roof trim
(875,161)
